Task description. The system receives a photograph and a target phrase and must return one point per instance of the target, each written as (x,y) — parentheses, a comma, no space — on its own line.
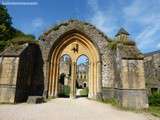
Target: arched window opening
(64,76)
(82,73)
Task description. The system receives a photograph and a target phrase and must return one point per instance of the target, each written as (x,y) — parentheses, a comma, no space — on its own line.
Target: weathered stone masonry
(19,75)
(114,73)
(152,71)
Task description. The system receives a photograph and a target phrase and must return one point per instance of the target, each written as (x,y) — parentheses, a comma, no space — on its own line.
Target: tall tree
(5,24)
(6,30)
(8,34)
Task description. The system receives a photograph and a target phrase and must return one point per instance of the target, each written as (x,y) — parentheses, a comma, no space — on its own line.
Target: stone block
(7,94)
(107,93)
(135,99)
(35,99)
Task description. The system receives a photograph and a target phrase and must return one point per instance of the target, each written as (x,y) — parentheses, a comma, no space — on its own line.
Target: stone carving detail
(133,70)
(75,48)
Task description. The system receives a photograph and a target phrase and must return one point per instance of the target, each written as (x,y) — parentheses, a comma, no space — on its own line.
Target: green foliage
(5,27)
(112,45)
(5,17)
(66,90)
(3,44)
(23,39)
(127,42)
(84,92)
(154,108)
(154,104)
(8,34)
(5,24)
(154,99)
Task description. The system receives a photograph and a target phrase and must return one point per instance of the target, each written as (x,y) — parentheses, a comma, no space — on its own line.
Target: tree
(5,24)
(9,34)
(6,30)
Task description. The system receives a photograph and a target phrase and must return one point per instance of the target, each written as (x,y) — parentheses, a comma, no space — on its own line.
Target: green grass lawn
(154,110)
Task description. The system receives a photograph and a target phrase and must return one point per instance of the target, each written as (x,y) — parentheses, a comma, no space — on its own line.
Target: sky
(141,18)
(81,59)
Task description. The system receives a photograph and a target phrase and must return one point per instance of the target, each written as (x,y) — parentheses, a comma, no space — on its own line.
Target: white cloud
(135,11)
(37,26)
(148,36)
(37,23)
(101,19)
(146,16)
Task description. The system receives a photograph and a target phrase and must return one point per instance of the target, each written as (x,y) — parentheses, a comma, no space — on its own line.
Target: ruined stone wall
(152,72)
(21,73)
(108,73)
(51,38)
(24,75)
(121,73)
(130,88)
(37,84)
(30,74)
(8,78)
(132,74)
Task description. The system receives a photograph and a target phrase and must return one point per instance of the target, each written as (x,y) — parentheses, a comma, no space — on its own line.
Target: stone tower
(122,35)
(130,81)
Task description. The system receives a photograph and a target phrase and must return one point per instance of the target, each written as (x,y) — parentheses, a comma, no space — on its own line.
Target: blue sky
(141,18)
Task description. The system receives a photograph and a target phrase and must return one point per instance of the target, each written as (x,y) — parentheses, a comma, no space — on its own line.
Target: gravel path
(68,109)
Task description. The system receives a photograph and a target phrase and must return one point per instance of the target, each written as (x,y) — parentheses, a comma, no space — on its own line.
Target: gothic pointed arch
(88,37)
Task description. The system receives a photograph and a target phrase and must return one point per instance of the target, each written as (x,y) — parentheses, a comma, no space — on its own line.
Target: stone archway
(95,42)
(75,44)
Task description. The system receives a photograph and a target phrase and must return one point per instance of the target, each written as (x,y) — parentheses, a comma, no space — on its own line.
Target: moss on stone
(82,25)
(23,39)
(112,45)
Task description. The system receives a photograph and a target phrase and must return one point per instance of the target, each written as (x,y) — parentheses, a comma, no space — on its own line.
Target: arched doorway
(64,76)
(75,45)
(82,76)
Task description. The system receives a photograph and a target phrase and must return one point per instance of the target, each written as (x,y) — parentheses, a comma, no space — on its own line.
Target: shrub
(154,110)
(66,90)
(84,92)
(23,39)
(113,44)
(154,99)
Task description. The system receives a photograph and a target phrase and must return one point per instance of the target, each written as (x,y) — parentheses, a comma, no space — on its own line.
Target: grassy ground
(154,110)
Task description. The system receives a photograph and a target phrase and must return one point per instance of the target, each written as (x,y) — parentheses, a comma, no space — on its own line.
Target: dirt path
(67,109)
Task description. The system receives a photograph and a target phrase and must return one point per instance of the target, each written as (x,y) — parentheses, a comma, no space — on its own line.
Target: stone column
(46,65)
(51,82)
(56,79)
(73,81)
(91,87)
(94,79)
(99,81)
(89,81)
